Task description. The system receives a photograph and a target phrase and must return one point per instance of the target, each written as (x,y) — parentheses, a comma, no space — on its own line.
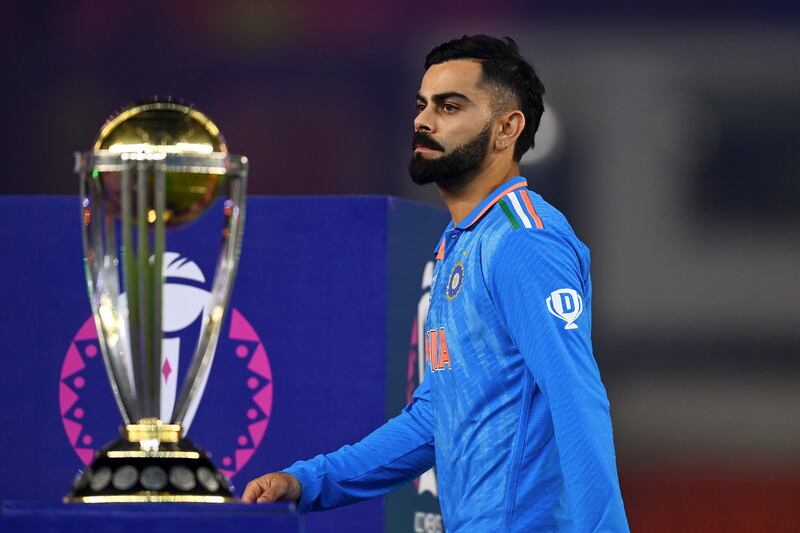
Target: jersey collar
(482,208)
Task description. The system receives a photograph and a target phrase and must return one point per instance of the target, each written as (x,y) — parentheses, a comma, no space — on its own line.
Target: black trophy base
(175,472)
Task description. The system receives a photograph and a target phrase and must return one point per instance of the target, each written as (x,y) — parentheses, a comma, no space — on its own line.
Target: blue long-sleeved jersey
(511,409)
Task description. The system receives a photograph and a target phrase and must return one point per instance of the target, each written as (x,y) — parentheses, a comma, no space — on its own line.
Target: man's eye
(449,108)
(420,107)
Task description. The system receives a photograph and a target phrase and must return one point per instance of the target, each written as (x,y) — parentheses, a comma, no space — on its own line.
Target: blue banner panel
(301,365)
(23,517)
(415,506)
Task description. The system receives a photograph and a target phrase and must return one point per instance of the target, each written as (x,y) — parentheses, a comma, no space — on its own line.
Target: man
(512,410)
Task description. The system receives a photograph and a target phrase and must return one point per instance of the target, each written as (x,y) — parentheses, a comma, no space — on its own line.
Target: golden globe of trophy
(155,165)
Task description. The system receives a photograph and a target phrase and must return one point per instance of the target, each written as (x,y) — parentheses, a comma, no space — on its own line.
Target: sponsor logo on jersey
(455,281)
(567,305)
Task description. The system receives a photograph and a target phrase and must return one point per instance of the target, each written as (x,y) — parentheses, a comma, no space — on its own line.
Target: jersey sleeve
(540,289)
(395,453)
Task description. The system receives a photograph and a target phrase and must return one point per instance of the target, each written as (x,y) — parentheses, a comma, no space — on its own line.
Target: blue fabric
(512,404)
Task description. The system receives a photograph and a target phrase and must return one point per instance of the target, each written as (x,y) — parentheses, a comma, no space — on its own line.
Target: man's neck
(462,196)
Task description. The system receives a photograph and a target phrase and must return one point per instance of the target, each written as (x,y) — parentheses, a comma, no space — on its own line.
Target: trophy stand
(155,165)
(152,462)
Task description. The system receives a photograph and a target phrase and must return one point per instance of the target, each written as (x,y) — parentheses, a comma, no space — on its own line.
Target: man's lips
(422,143)
(419,149)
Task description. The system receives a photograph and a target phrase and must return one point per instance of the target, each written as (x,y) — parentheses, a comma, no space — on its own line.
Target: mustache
(423,139)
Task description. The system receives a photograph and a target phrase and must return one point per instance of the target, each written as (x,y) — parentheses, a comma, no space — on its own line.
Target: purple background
(670,141)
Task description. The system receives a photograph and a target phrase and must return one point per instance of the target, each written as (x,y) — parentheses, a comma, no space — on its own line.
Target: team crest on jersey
(567,305)
(455,281)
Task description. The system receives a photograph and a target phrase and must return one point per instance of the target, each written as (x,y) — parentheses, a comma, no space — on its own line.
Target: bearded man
(511,411)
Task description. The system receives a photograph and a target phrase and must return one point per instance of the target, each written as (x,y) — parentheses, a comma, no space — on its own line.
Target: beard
(453,167)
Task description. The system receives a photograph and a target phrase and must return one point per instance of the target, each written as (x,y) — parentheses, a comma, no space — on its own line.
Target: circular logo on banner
(235,403)
(455,281)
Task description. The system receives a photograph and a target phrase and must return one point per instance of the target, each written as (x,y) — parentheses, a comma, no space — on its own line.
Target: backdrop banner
(319,347)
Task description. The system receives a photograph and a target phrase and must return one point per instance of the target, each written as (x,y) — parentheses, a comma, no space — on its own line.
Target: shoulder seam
(526,199)
(524,209)
(507,211)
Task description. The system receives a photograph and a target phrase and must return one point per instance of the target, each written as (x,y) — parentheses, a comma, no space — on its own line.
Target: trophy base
(151,470)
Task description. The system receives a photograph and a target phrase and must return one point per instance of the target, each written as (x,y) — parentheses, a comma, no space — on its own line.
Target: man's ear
(510,126)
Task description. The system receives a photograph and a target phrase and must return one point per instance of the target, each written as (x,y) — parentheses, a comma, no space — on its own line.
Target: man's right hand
(273,487)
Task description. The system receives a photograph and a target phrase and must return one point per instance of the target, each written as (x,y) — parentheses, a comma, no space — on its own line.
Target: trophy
(155,165)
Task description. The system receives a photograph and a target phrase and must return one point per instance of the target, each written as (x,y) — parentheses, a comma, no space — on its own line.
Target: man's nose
(423,121)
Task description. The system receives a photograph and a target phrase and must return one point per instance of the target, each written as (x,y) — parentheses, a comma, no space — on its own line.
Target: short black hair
(505,69)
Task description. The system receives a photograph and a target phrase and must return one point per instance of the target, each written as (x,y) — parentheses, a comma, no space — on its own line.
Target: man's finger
(261,490)
(252,491)
(272,487)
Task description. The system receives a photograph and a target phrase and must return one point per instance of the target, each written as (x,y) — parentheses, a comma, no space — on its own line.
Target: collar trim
(487,203)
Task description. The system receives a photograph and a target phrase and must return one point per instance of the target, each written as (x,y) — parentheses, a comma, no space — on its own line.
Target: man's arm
(526,268)
(397,452)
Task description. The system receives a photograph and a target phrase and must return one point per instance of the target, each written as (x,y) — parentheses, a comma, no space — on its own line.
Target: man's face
(453,127)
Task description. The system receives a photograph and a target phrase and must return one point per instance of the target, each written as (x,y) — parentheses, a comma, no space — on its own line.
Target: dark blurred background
(670,140)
